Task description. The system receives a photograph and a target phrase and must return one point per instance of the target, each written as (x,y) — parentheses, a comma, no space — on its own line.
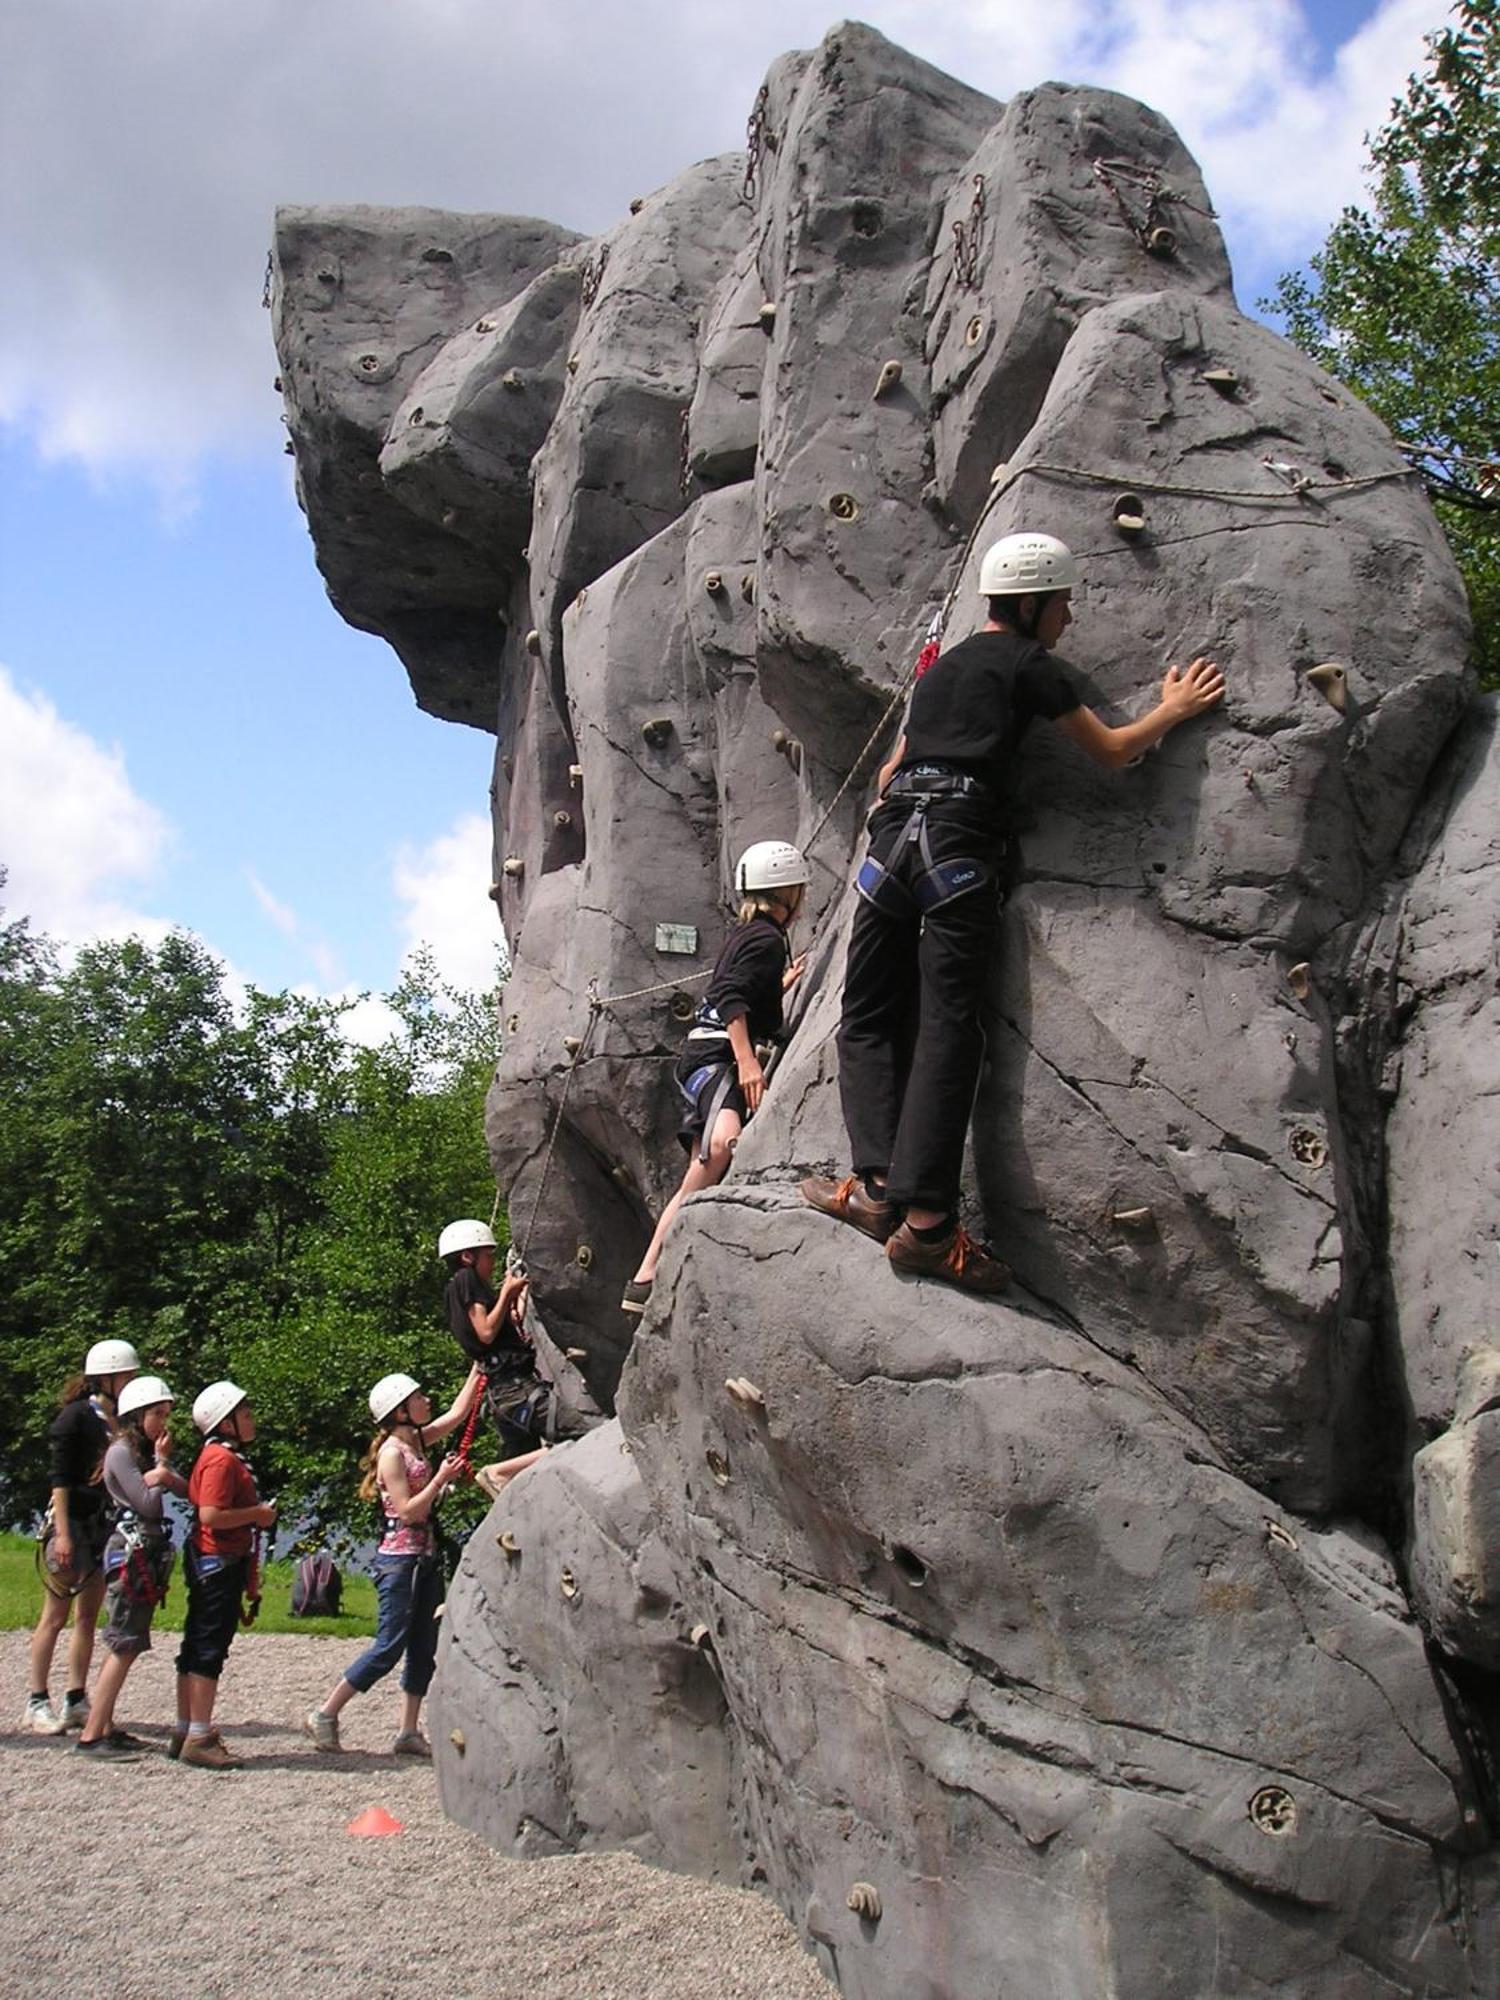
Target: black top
(466,1288)
(746,980)
(78,1437)
(973,706)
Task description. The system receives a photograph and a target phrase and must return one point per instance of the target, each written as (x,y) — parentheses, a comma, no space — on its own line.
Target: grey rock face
(1020,1638)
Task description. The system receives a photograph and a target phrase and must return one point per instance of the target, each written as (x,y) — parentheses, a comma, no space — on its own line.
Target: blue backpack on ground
(318,1587)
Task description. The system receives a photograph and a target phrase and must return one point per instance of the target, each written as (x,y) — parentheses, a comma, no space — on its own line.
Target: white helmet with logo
(142,1393)
(771,864)
(1017,565)
(389,1393)
(216,1402)
(111,1357)
(467,1235)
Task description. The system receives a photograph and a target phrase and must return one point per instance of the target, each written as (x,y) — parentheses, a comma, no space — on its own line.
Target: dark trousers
(911,1039)
(408,1589)
(215,1585)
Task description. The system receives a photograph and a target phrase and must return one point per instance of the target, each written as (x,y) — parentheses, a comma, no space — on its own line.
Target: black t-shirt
(973,706)
(746,980)
(466,1288)
(79,1437)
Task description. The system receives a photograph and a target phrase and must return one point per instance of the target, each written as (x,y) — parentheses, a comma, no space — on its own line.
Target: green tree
(1403,300)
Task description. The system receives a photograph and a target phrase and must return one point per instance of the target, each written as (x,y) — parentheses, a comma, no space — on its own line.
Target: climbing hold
(576,1354)
(511,379)
(637,205)
(456,1738)
(779,741)
(276,385)
(1274,1811)
(584,1256)
(768,317)
(787,746)
(683,1007)
(1332,683)
(567,1583)
(747,586)
(974,331)
(1222,379)
(533,641)
(658,731)
(713,582)
(843,507)
(436,256)
(1329,396)
(508,1544)
(562,820)
(999,472)
(369,363)
(572,1043)
(512,1024)
(575,775)
(450,517)
(1282,1537)
(328,277)
(581,599)
(484,326)
(1133,1218)
(702,1637)
(493,892)
(572,364)
(1161,241)
(1309,1147)
(1299,979)
(1129,514)
(864,1900)
(743,1391)
(416,416)
(888,377)
(515,867)
(718,1465)
(290,449)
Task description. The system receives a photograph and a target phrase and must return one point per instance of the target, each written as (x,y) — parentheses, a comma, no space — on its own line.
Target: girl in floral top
(408,1576)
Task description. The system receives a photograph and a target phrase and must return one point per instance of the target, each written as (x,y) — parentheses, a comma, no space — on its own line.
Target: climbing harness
(1151,229)
(966,234)
(935,883)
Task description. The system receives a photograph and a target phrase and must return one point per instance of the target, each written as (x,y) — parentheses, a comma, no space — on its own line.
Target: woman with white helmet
(138,1556)
(910,1037)
(408,1574)
(719,1073)
(74,1532)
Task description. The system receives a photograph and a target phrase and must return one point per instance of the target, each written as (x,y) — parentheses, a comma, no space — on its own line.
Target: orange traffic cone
(372,1823)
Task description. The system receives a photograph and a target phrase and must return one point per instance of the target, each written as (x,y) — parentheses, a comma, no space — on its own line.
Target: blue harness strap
(936,882)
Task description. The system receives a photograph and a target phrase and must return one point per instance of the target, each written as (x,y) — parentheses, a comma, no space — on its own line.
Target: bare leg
(85,1617)
(44,1639)
(700,1174)
(202,1693)
(106,1693)
(411,1714)
(340,1699)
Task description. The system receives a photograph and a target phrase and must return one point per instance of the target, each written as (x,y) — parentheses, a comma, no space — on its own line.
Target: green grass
(21,1597)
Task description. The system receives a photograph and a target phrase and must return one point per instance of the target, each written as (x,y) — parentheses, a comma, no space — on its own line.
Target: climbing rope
(1295,483)
(596,1009)
(1153,233)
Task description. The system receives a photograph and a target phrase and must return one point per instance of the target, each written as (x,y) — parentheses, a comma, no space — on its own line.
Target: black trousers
(911,1039)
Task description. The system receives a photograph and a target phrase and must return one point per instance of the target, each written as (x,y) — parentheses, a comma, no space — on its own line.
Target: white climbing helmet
(771,864)
(111,1357)
(466,1235)
(142,1393)
(389,1393)
(1016,565)
(215,1403)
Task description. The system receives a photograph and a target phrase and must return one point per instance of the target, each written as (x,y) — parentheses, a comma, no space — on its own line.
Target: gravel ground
(157,1880)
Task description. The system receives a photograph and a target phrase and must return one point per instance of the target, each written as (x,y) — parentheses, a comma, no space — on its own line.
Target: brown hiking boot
(210,1753)
(955,1259)
(847,1201)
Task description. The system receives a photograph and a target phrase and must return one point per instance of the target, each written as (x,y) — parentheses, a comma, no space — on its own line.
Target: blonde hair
(369,1478)
(782,904)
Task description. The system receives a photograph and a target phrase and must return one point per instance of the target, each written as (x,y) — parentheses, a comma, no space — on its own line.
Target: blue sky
(188,733)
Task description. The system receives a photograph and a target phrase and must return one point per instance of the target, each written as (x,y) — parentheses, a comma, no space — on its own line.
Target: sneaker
(105,1750)
(175,1742)
(75,1711)
(955,1259)
(637,1297)
(847,1201)
(209,1753)
(323,1729)
(40,1715)
(123,1740)
(412,1743)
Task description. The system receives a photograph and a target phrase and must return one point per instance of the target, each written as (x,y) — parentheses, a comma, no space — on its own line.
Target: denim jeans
(409,1589)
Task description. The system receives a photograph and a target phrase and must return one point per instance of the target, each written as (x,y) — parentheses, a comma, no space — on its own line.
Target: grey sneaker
(323,1729)
(412,1743)
(41,1716)
(104,1750)
(75,1711)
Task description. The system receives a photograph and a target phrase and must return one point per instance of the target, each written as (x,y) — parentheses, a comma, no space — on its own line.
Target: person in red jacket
(217,1557)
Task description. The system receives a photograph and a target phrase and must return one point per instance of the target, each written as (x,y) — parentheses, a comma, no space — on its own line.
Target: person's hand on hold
(1190,690)
(794,972)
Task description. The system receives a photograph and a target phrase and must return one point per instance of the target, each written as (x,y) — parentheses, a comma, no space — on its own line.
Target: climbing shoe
(956,1259)
(637,1295)
(849,1202)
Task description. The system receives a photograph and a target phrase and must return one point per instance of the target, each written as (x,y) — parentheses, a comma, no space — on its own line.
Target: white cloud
(282,915)
(146,147)
(442,888)
(79,843)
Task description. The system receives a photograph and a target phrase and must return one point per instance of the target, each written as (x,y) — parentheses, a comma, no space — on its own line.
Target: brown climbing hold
(512,1024)
(575,775)
(484,326)
(450,517)
(683,1007)
(508,1543)
(702,1637)
(276,385)
(1129,514)
(572,1043)
(1332,683)
(1139,1219)
(1299,978)
(511,379)
(567,1583)
(493,892)
(657,731)
(864,1900)
(533,641)
(1309,1147)
(999,472)
(1282,1537)
(779,741)
(290,449)
(637,205)
(974,331)
(562,820)
(515,867)
(768,317)
(576,1354)
(718,1465)
(743,1391)
(456,1738)
(713,582)
(1274,1811)
(584,1256)
(1222,379)
(572,364)
(843,507)
(887,379)
(416,416)
(1161,241)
